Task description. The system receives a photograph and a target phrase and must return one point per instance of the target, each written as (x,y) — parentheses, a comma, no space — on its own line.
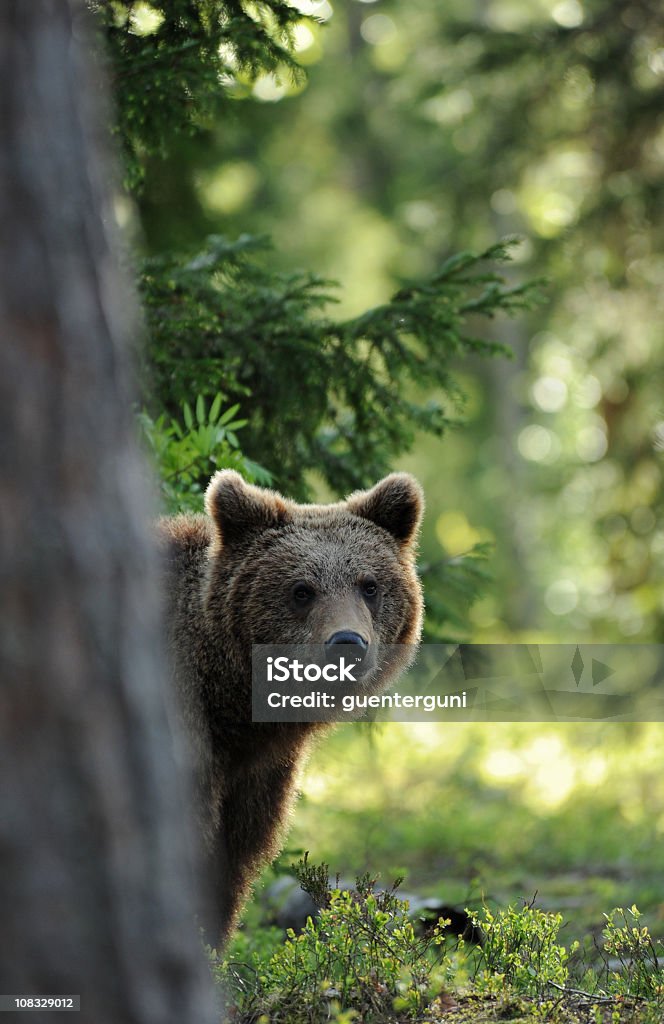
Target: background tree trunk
(96,875)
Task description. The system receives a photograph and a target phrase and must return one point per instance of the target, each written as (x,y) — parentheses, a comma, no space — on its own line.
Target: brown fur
(229,584)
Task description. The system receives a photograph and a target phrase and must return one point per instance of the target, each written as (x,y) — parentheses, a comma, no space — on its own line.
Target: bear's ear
(240,509)
(395,503)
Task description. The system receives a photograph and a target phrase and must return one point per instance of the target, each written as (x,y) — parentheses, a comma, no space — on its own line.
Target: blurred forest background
(372,141)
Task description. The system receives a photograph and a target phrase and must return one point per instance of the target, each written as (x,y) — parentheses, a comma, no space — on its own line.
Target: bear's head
(285,573)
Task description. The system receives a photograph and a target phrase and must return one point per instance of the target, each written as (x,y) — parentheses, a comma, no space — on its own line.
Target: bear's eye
(303,593)
(369,587)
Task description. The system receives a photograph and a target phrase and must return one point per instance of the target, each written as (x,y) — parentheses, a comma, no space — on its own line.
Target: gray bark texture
(97,878)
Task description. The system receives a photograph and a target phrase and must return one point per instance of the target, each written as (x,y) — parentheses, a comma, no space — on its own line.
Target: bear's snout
(348,646)
(346,636)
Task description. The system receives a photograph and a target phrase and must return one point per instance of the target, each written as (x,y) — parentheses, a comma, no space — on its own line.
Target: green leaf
(229,414)
(215,408)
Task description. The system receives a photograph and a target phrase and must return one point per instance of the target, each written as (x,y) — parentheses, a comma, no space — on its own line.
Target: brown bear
(261,569)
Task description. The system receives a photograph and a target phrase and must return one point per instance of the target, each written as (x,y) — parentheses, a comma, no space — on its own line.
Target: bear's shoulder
(184,535)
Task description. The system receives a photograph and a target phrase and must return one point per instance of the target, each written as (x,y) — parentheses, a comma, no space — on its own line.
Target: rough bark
(97,883)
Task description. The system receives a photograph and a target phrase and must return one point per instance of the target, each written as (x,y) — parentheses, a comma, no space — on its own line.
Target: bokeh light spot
(561,597)
(591,444)
(378,29)
(537,444)
(455,533)
(549,393)
(568,14)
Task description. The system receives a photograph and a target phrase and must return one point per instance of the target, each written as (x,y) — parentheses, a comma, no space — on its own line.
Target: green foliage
(332,401)
(452,586)
(341,399)
(451,125)
(359,959)
(187,453)
(639,970)
(469,809)
(521,950)
(362,959)
(314,879)
(175,61)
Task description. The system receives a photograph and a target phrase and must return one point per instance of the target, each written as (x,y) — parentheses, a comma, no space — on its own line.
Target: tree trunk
(97,880)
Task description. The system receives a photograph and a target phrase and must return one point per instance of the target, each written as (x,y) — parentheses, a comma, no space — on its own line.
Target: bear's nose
(348,639)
